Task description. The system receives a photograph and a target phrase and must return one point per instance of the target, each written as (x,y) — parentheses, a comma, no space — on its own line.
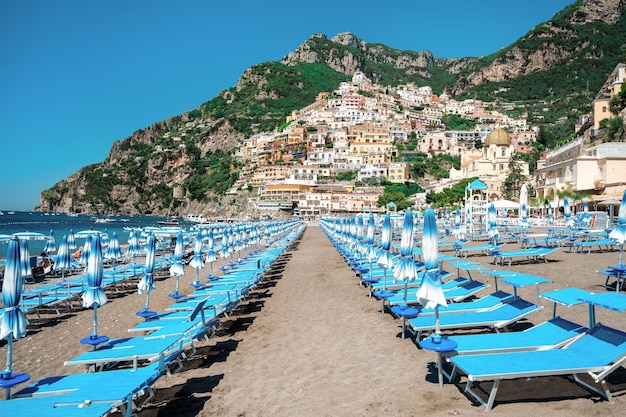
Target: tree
(397,197)
(514,181)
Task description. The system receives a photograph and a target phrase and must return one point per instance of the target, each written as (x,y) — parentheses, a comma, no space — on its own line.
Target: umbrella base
(176,295)
(9,379)
(146,314)
(94,340)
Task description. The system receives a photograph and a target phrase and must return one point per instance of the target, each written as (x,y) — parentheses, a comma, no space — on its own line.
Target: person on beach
(43,267)
(76,255)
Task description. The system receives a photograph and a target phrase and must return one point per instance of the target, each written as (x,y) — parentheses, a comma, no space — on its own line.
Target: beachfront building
(598,171)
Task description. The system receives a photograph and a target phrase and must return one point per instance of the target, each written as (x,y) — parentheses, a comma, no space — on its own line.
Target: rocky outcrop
(557,43)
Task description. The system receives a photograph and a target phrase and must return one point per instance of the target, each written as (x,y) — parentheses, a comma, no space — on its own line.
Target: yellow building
(491,164)
(611,87)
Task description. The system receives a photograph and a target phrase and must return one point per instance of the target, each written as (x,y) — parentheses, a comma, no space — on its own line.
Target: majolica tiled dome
(498,136)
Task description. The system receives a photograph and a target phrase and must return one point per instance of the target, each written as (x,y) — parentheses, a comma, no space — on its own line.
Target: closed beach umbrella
(94,296)
(493,226)
(64,258)
(568,213)
(523,203)
(84,255)
(457,224)
(71,240)
(146,284)
(134,249)
(104,238)
(51,246)
(406,270)
(430,292)
(210,256)
(24,259)
(550,213)
(196,262)
(13,321)
(619,233)
(113,251)
(384,259)
(177,270)
(224,248)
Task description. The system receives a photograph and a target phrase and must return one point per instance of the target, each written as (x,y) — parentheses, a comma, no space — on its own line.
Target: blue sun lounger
(535,254)
(486,249)
(454,294)
(598,353)
(166,349)
(52,406)
(194,326)
(547,335)
(496,318)
(488,302)
(125,389)
(603,245)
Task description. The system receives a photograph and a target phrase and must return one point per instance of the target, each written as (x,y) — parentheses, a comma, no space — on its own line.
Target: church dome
(498,136)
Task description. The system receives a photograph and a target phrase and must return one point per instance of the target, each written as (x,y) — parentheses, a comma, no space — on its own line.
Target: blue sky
(78,75)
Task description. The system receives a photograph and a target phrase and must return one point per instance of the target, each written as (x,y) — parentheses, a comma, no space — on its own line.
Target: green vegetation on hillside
(285,88)
(214,174)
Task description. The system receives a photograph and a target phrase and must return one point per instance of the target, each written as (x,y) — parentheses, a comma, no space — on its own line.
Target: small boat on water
(196,218)
(170,222)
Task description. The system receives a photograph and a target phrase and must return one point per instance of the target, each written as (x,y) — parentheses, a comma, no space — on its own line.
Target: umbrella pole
(147,306)
(437,325)
(9,369)
(406,290)
(95,320)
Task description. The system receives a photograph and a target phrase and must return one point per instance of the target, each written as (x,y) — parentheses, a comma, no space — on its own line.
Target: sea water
(61,224)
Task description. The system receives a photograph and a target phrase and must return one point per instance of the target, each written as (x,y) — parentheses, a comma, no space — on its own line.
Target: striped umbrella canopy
(224,249)
(619,232)
(430,292)
(406,270)
(196,262)
(134,248)
(84,255)
(177,270)
(63,260)
(523,202)
(104,238)
(113,251)
(29,236)
(549,212)
(71,240)
(457,224)
(146,284)
(210,257)
(51,246)
(94,296)
(384,259)
(468,221)
(493,226)
(24,259)
(585,207)
(568,213)
(13,321)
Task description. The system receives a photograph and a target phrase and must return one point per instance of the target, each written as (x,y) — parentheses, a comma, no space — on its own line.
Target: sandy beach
(309,341)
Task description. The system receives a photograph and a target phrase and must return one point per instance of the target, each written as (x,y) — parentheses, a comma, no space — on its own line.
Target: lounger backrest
(197,309)
(604,343)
